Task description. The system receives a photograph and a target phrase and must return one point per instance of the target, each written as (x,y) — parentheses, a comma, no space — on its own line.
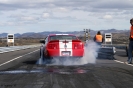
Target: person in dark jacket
(98,38)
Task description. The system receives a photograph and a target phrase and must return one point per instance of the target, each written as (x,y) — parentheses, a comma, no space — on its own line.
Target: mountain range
(77,33)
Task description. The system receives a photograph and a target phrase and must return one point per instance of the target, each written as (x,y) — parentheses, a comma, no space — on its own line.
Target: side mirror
(42,41)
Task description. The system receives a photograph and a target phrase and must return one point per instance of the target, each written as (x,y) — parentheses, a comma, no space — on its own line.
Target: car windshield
(63,37)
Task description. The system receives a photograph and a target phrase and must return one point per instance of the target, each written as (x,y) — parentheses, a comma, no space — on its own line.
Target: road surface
(22,69)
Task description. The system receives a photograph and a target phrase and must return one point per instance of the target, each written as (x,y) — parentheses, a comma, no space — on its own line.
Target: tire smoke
(90,56)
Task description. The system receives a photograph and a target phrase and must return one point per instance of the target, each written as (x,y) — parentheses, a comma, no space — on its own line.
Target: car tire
(46,55)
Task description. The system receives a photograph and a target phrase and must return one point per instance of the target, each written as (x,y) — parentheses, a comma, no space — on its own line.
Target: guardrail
(14,48)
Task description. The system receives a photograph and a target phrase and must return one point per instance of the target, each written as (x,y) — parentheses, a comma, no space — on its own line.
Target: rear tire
(42,54)
(46,57)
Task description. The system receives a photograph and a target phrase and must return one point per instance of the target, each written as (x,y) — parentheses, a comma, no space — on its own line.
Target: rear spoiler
(51,41)
(64,40)
(76,41)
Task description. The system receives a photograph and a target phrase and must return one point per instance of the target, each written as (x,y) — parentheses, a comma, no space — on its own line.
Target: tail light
(78,46)
(52,46)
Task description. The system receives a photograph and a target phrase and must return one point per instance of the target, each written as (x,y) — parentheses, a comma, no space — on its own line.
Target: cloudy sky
(20,16)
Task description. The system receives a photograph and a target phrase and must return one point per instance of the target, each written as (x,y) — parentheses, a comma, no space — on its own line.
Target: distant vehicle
(61,45)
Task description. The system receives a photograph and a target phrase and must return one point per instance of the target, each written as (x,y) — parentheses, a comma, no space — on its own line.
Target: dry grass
(120,38)
(20,42)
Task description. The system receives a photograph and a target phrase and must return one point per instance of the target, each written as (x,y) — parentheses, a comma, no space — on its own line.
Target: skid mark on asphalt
(47,70)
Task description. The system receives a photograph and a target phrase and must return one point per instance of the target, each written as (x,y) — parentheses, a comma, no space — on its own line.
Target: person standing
(98,38)
(130,49)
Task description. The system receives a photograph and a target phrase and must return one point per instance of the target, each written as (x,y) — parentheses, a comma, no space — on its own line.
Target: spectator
(129,61)
(98,38)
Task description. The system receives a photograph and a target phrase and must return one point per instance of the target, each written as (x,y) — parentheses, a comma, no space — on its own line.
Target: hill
(77,33)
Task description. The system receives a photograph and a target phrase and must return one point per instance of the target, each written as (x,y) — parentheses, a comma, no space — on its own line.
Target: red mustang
(61,45)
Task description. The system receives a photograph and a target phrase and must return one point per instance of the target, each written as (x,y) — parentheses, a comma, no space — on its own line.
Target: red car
(61,45)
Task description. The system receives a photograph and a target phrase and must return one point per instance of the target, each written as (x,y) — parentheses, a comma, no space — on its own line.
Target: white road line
(15,48)
(123,62)
(119,61)
(18,58)
(129,64)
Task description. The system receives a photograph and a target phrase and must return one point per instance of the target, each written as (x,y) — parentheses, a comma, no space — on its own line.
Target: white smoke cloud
(89,56)
(90,53)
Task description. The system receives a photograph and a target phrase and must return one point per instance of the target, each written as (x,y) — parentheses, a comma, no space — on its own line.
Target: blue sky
(20,16)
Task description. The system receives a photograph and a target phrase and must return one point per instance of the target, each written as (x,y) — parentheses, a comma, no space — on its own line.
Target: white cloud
(7,23)
(61,9)
(24,1)
(107,17)
(10,23)
(28,18)
(75,14)
(46,15)
(1,24)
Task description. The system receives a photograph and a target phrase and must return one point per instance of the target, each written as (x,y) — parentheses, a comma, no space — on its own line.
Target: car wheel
(42,54)
(46,57)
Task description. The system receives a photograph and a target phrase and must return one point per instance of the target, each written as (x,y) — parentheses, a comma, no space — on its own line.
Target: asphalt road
(24,69)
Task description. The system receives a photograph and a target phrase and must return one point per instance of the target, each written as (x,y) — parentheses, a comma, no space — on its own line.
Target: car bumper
(73,53)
